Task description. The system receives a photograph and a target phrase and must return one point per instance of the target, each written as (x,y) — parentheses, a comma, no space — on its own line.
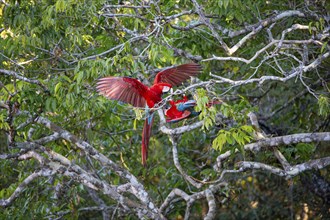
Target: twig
(206,21)
(43,172)
(18,76)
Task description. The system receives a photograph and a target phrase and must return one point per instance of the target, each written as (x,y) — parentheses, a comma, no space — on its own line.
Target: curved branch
(178,165)
(43,172)
(190,199)
(291,171)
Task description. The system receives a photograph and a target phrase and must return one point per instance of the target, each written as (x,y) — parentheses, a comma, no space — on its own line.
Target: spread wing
(176,75)
(123,89)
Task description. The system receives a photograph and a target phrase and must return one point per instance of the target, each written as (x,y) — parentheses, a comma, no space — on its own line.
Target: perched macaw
(134,92)
(183,108)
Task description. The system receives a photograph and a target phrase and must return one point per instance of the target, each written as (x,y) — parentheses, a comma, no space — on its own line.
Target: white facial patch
(166,89)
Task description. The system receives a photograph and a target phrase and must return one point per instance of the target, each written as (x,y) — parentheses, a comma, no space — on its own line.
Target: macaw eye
(166,89)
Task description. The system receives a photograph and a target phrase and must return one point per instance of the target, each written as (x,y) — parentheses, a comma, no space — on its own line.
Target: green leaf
(79,77)
(134,124)
(60,6)
(324,45)
(324,106)
(57,87)
(219,142)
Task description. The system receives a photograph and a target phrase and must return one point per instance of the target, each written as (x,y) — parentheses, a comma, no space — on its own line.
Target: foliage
(324,106)
(56,50)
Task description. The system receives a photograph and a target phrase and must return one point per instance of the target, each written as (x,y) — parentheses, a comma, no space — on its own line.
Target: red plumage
(132,91)
(184,108)
(146,133)
(176,75)
(173,113)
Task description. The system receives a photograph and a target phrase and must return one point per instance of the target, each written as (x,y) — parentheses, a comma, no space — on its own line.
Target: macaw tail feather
(146,133)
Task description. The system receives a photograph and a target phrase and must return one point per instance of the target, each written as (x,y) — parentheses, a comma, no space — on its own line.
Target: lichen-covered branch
(43,172)
(290,171)
(288,140)
(137,187)
(208,194)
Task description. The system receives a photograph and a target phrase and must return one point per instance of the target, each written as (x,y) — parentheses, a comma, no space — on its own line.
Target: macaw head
(161,87)
(166,89)
(182,106)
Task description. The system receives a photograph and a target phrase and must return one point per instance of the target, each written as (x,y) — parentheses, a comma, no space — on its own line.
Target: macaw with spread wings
(132,91)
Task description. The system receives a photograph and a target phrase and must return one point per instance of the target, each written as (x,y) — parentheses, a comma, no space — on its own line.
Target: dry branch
(288,140)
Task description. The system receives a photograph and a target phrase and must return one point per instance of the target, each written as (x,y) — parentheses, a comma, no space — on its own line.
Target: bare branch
(262,79)
(182,129)
(109,15)
(291,171)
(190,199)
(282,159)
(206,21)
(188,27)
(138,188)
(43,172)
(178,165)
(32,154)
(289,139)
(174,193)
(267,21)
(20,77)
(126,6)
(212,206)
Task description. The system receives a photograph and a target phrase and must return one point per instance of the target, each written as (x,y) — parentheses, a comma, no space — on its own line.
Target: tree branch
(289,139)
(178,165)
(295,72)
(43,172)
(206,21)
(18,76)
(291,171)
(212,206)
(137,187)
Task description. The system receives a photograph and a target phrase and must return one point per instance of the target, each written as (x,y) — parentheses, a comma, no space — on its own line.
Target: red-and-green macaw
(134,92)
(183,108)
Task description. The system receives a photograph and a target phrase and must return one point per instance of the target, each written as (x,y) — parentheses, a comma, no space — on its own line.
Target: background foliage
(55,50)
